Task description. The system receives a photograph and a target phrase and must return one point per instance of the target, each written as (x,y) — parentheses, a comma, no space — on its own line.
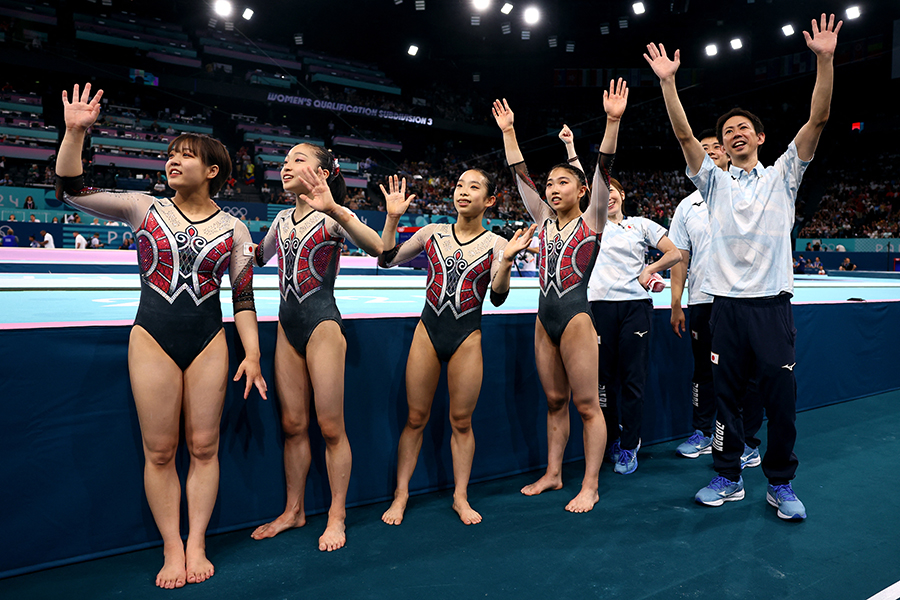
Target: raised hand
(503,115)
(566,135)
(82,111)
(520,240)
(319,195)
(823,40)
(616,99)
(395,199)
(660,62)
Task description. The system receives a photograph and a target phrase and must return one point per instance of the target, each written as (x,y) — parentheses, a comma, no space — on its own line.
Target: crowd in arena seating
(855,208)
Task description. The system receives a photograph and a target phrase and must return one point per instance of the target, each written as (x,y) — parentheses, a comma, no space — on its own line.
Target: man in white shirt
(751,215)
(80,242)
(689,231)
(48,240)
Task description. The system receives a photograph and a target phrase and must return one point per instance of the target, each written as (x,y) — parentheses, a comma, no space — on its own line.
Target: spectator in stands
(96,221)
(33,243)
(799,265)
(809,247)
(12,217)
(49,175)
(847,265)
(33,219)
(48,240)
(7,180)
(33,174)
(29,203)
(76,218)
(10,239)
(80,242)
(55,220)
(816,266)
(126,244)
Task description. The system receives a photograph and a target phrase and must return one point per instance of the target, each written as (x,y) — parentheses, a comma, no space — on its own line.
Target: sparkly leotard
(459,274)
(181,263)
(308,254)
(567,254)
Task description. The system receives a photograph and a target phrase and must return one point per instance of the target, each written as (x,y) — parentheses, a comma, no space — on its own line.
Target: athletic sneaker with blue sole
(719,491)
(785,500)
(750,457)
(695,445)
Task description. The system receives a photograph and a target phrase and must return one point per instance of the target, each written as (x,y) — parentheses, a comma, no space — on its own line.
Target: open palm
(521,239)
(823,40)
(395,199)
(662,65)
(616,99)
(503,115)
(82,111)
(319,195)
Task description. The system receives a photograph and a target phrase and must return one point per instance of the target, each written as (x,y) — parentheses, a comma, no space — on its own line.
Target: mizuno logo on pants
(641,334)
(789,367)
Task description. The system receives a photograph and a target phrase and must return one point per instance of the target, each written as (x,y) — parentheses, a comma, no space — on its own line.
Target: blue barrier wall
(70,434)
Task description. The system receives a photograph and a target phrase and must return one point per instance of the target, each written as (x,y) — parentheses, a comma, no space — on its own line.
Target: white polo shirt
(621,259)
(690,232)
(751,216)
(80,242)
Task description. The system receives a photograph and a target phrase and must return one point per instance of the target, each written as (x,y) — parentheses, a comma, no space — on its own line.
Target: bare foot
(466,513)
(173,574)
(583,502)
(394,514)
(199,569)
(334,537)
(287,520)
(545,483)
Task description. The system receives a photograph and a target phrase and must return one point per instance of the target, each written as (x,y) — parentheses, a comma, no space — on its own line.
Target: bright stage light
(222,7)
(638,8)
(853,12)
(736,44)
(413,50)
(532,15)
(787,30)
(507,8)
(711,50)
(248,14)
(481,4)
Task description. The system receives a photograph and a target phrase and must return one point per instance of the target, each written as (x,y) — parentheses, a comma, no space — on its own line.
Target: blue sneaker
(627,462)
(612,453)
(719,491)
(785,500)
(750,457)
(695,445)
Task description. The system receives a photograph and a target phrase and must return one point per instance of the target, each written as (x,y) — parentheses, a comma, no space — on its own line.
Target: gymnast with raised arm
(310,348)
(464,259)
(571,221)
(177,356)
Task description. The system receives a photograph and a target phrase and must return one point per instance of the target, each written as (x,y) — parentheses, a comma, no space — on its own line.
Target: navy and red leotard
(182,263)
(459,275)
(567,254)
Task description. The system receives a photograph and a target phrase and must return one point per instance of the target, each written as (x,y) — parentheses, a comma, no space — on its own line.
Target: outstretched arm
(822,42)
(80,114)
(614,102)
(536,207)
(320,199)
(665,69)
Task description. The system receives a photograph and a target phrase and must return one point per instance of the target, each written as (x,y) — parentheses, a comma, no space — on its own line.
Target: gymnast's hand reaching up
(521,240)
(318,196)
(395,199)
(82,111)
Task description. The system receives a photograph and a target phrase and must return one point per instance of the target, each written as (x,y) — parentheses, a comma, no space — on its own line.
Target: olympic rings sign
(239,212)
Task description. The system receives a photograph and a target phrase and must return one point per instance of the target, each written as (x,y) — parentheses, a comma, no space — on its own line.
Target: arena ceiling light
(570,46)
(476,20)
(711,50)
(506,28)
(420,4)
(532,15)
(248,14)
(638,8)
(551,41)
(787,30)
(223,8)
(853,12)
(604,28)
(413,50)
(736,44)
(481,4)
(507,8)
(298,39)
(623,22)
(526,35)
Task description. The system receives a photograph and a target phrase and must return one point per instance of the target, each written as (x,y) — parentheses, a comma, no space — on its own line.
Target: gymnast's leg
(156,383)
(293,388)
(423,369)
(579,355)
(205,382)
(464,374)
(325,355)
(556,387)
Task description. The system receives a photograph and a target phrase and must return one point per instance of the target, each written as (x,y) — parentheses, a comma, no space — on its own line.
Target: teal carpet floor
(645,539)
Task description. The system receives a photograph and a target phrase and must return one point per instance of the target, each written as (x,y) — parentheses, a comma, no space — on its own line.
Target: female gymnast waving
(177,357)
(571,223)
(463,260)
(310,348)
